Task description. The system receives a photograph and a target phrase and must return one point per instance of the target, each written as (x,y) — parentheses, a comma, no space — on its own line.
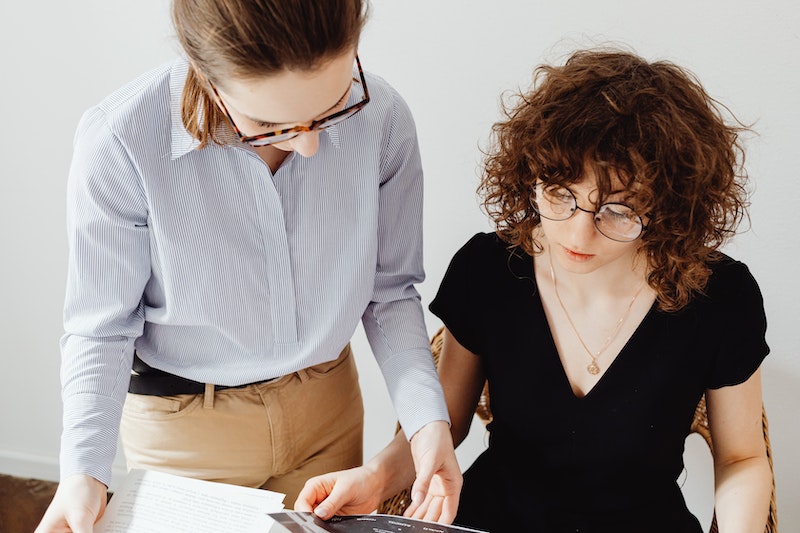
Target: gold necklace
(593,368)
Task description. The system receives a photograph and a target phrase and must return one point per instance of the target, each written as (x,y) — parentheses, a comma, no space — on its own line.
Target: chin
(579,268)
(283,147)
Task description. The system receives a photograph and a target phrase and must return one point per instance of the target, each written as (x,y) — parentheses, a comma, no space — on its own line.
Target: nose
(307,143)
(581,227)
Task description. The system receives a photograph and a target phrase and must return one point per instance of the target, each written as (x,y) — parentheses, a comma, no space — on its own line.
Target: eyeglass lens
(325,123)
(616,221)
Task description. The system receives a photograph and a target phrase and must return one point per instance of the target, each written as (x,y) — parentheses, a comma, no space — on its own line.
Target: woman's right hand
(79,502)
(353,491)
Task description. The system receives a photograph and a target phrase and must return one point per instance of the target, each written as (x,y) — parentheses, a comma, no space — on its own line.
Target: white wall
(451,59)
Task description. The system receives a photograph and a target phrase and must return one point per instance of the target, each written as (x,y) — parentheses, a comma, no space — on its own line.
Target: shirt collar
(182,141)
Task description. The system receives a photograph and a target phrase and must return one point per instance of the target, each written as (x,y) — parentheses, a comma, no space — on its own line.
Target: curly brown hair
(651,126)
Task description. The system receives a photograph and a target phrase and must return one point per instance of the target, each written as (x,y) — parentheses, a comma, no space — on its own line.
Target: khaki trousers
(272,435)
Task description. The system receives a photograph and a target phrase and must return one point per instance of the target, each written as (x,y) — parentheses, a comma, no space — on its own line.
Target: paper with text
(154,502)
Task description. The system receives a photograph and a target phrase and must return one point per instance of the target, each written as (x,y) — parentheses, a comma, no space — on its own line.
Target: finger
(329,506)
(434,511)
(449,510)
(303,503)
(412,509)
(315,492)
(309,496)
(429,510)
(419,490)
(420,510)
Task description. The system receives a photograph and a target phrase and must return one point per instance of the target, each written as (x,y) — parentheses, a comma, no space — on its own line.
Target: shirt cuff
(415,390)
(89,439)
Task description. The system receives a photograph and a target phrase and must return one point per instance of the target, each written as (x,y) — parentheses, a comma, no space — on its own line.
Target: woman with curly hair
(601,311)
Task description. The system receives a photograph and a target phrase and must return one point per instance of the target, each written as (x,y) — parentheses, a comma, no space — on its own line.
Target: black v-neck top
(609,461)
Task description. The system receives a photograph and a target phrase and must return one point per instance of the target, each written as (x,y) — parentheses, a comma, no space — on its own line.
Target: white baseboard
(29,465)
(45,467)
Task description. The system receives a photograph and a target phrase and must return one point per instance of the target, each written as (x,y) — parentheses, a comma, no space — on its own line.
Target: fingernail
(322,512)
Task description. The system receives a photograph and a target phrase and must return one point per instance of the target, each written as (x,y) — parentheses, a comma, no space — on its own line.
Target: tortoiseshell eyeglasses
(277,136)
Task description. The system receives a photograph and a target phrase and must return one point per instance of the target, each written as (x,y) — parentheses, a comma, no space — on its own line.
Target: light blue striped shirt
(215,269)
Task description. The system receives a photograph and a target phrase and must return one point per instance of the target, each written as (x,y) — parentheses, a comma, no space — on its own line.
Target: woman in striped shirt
(232,215)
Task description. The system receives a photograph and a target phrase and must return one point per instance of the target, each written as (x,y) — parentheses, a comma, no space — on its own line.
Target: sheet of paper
(154,502)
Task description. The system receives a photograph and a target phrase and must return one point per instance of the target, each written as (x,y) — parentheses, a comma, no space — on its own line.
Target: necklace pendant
(593,368)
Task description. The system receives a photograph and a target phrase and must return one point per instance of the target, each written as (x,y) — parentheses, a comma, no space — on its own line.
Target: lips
(576,256)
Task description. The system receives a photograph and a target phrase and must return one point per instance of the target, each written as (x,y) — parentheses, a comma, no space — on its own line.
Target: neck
(273,157)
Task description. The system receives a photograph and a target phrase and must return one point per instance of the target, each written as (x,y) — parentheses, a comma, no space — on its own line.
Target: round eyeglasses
(272,137)
(615,221)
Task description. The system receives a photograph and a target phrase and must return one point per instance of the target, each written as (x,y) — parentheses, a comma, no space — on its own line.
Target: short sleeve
(742,327)
(458,302)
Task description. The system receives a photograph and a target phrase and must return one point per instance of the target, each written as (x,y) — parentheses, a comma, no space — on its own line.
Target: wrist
(431,427)
(431,432)
(377,472)
(85,479)
(392,469)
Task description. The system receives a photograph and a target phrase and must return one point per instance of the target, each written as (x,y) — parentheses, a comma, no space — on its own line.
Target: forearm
(393,467)
(742,495)
(396,332)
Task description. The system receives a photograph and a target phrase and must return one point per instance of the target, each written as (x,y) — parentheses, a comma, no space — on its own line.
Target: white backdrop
(451,59)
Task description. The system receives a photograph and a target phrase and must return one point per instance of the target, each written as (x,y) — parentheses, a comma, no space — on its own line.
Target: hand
(79,502)
(353,491)
(435,493)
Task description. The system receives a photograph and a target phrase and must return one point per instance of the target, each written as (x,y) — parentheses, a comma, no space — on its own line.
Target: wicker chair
(400,501)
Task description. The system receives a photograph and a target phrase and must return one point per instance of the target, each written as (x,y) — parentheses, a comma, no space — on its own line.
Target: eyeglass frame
(319,124)
(594,214)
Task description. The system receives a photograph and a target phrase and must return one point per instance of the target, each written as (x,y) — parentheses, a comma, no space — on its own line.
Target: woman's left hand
(437,488)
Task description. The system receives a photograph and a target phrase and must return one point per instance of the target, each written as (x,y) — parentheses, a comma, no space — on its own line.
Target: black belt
(154,382)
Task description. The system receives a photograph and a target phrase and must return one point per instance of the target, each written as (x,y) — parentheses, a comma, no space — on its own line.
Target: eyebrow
(267,123)
(610,193)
